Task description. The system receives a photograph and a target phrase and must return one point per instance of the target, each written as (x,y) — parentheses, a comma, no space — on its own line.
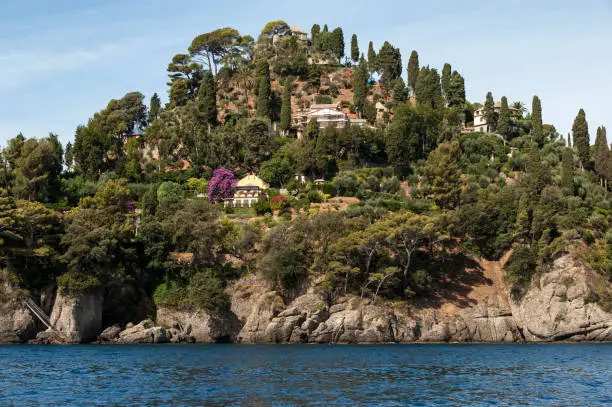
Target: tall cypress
(265,90)
(372,63)
(567,171)
(602,155)
(457,90)
(285,116)
(360,79)
(338,42)
(413,70)
(503,124)
(489,112)
(536,119)
(446,82)
(154,107)
(207,99)
(354,48)
(580,131)
(314,33)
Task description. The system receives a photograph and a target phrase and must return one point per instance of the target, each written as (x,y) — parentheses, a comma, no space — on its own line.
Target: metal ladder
(38,313)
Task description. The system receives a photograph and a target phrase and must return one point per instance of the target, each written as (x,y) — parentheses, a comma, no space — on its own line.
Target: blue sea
(307,375)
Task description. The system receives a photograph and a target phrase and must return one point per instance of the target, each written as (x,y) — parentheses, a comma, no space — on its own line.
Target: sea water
(307,375)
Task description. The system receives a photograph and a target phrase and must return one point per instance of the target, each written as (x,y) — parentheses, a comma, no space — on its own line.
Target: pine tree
(265,91)
(207,100)
(285,116)
(503,124)
(580,131)
(446,82)
(372,64)
(413,70)
(536,118)
(154,108)
(567,171)
(354,48)
(602,155)
(489,112)
(360,79)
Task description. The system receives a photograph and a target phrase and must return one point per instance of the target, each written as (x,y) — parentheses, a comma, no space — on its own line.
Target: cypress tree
(314,33)
(503,124)
(207,99)
(154,107)
(285,116)
(337,37)
(567,171)
(325,29)
(354,48)
(360,79)
(580,131)
(457,90)
(413,70)
(265,90)
(372,64)
(602,155)
(536,118)
(569,140)
(489,112)
(427,90)
(446,82)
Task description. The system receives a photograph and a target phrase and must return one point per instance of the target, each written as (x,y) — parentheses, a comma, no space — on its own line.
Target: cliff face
(553,309)
(77,318)
(477,308)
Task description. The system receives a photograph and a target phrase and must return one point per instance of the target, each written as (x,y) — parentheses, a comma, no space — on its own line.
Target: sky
(62,61)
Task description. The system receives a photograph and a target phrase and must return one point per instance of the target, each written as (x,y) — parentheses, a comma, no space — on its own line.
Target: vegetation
(378,210)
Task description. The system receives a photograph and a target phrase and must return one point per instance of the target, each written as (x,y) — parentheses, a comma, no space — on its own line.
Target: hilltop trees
(389,63)
(536,118)
(445,81)
(209,49)
(503,124)
(489,112)
(456,92)
(602,156)
(413,70)
(207,100)
(427,89)
(354,49)
(580,131)
(372,62)
(360,79)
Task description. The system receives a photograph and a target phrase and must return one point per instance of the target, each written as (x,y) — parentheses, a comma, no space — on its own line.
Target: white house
(249,190)
(480,121)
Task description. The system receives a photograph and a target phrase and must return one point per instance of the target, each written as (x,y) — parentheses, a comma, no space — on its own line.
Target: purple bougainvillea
(221,185)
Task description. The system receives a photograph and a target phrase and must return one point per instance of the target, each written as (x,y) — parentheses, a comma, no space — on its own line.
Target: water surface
(308,375)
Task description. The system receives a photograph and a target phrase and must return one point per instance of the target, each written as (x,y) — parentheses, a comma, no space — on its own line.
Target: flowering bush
(278,203)
(221,185)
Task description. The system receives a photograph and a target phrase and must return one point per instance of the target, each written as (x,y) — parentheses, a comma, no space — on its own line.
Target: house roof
(252,180)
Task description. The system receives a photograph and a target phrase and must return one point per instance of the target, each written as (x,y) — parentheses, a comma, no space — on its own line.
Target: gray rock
(110,334)
(144,332)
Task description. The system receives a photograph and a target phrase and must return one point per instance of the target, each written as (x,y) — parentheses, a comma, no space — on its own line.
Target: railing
(38,313)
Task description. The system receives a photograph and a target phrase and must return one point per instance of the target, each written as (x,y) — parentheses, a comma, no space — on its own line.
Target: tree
(185,76)
(456,95)
(210,48)
(489,112)
(503,124)
(314,32)
(389,63)
(285,117)
(602,156)
(372,63)
(256,142)
(337,43)
(273,28)
(403,138)
(154,108)
(580,131)
(207,100)
(536,118)
(221,185)
(442,174)
(354,49)
(446,82)
(265,91)
(360,81)
(567,171)
(413,70)
(427,89)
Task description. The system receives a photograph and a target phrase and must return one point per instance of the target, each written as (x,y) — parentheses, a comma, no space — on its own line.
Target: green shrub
(205,291)
(74,283)
(170,294)
(323,99)
(314,196)
(262,207)
(521,267)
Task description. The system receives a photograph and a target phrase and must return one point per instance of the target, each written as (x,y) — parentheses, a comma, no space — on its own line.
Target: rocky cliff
(475,307)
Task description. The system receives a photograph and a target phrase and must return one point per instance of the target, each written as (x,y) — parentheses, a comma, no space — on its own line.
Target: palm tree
(520,106)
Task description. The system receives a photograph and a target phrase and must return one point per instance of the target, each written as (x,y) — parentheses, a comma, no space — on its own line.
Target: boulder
(199,325)
(110,334)
(144,332)
(17,324)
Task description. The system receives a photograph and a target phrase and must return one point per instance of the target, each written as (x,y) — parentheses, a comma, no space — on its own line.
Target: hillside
(288,192)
